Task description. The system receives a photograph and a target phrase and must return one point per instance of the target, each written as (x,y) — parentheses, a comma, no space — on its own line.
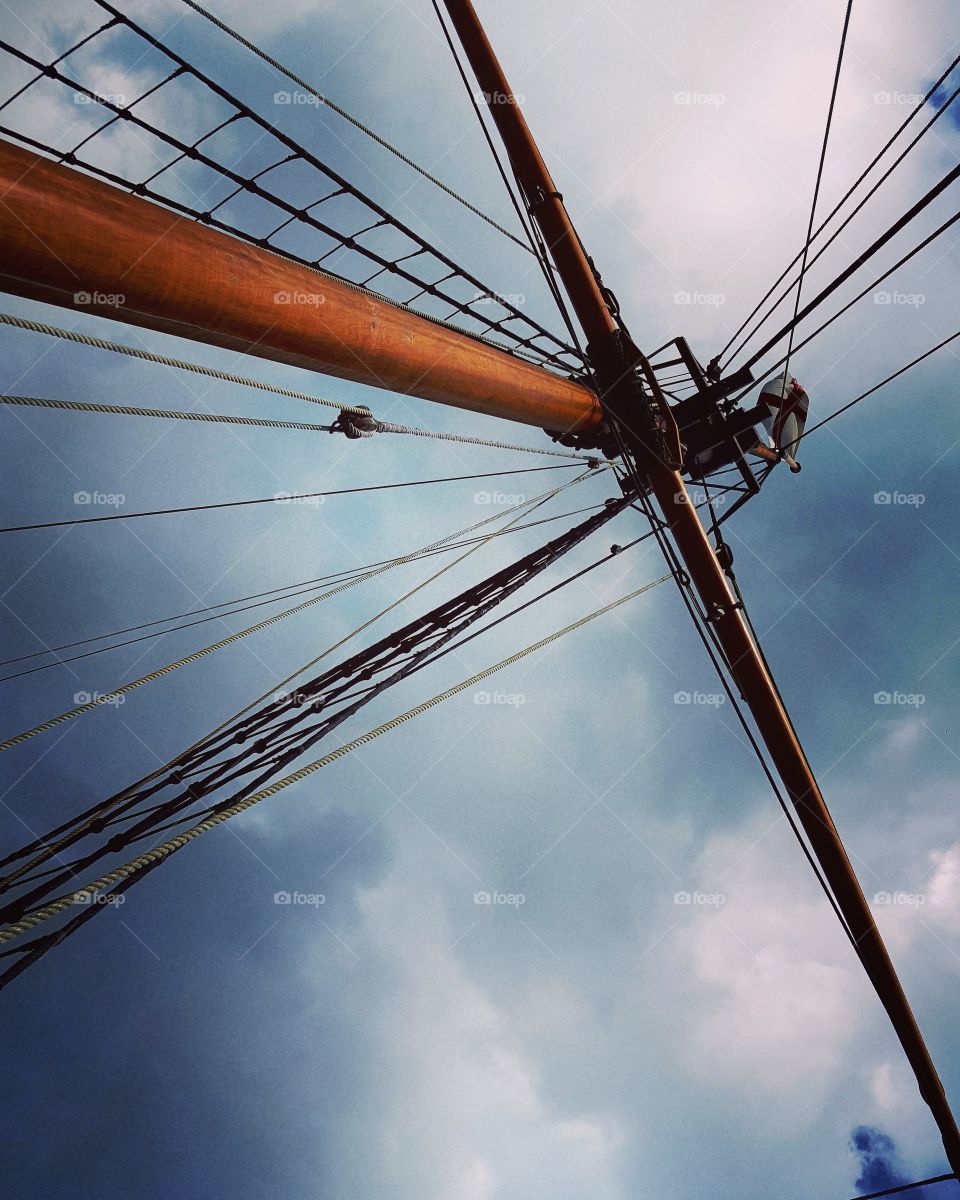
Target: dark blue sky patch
(939,97)
(879,1163)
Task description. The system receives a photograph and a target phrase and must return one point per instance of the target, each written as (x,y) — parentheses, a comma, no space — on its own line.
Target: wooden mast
(746,663)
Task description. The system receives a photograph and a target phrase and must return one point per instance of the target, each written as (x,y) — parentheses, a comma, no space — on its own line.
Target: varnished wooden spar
(747,665)
(63,233)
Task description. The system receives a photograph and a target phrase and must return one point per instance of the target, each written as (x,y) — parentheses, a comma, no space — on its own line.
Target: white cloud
(943,890)
(773,995)
(902,739)
(882,1088)
(468,1119)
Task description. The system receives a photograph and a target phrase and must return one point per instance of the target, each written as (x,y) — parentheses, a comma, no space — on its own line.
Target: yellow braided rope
(109,697)
(130,410)
(85,339)
(51,849)
(165,849)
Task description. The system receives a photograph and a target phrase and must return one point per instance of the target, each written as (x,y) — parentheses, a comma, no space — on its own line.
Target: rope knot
(356,425)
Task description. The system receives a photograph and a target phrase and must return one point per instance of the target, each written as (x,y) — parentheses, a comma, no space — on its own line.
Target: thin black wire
(905,1187)
(850,303)
(529,225)
(841,227)
(866,171)
(951,177)
(192,815)
(282,499)
(145,637)
(282,753)
(716,654)
(877,386)
(328,103)
(816,189)
(305,585)
(524,344)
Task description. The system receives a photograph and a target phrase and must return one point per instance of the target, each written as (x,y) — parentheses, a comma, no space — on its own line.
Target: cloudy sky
(594,1037)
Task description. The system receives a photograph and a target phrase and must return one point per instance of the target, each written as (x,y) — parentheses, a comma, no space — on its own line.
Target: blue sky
(600,1039)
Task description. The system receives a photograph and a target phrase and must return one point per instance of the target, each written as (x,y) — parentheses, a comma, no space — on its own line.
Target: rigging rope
(537,502)
(716,655)
(882,383)
(401,653)
(611,554)
(124,816)
(840,228)
(95,814)
(529,225)
(846,196)
(864,257)
(87,818)
(390,427)
(101,823)
(305,585)
(859,296)
(163,851)
(277,66)
(816,189)
(280,498)
(108,697)
(85,339)
(130,410)
(905,1187)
